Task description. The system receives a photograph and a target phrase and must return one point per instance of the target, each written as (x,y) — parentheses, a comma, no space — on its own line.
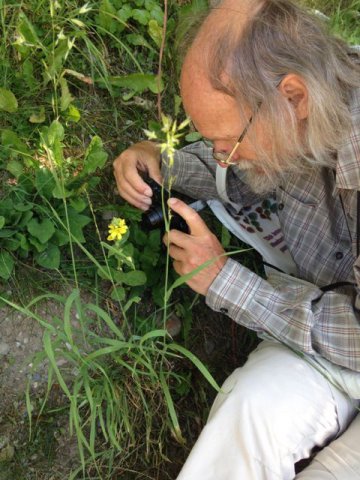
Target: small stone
(61,362)
(173,325)
(7,453)
(209,346)
(108,215)
(4,348)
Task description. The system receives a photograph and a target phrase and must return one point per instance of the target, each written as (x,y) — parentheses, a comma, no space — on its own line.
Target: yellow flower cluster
(117,229)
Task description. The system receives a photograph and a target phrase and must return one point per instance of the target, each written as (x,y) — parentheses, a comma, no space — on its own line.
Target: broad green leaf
(42,230)
(66,97)
(137,82)
(27,74)
(133,279)
(56,131)
(8,102)
(49,258)
(38,117)
(78,204)
(60,191)
(157,14)
(11,244)
(77,222)
(72,114)
(118,294)
(6,233)
(15,145)
(138,40)
(45,182)
(141,16)
(106,19)
(15,168)
(193,137)
(6,264)
(25,219)
(2,221)
(60,238)
(40,247)
(27,32)
(125,12)
(155,32)
(56,58)
(95,156)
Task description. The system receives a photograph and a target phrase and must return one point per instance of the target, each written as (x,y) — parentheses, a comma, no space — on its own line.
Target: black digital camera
(154,217)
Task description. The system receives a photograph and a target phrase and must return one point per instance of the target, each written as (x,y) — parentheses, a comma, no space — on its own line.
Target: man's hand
(191,251)
(140,157)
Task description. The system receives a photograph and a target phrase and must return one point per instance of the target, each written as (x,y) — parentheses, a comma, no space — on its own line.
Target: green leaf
(72,114)
(2,221)
(8,102)
(49,258)
(133,279)
(141,16)
(55,132)
(45,182)
(66,97)
(27,74)
(105,19)
(138,40)
(41,230)
(6,264)
(157,14)
(15,168)
(56,58)
(155,32)
(60,191)
(15,145)
(118,294)
(40,247)
(26,31)
(77,222)
(125,12)
(38,117)
(137,82)
(95,156)
(78,204)
(60,238)
(193,137)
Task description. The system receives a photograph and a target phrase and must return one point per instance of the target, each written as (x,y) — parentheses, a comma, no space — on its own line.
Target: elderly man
(278,100)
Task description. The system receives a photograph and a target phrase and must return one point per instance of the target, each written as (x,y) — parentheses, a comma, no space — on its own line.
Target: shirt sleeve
(292,311)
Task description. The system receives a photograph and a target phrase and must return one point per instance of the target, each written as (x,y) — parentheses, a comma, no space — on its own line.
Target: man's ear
(293,88)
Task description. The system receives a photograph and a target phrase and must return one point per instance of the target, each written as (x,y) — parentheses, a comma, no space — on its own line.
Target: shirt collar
(348,155)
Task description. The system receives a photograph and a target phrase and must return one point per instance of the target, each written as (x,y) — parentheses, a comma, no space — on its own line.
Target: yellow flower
(117,229)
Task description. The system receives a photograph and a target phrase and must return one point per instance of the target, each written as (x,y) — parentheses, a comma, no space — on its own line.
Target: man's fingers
(195,223)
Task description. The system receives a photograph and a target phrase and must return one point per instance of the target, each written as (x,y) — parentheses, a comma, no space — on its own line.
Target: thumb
(195,223)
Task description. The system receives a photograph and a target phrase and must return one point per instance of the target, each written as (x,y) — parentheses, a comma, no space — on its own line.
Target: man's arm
(293,311)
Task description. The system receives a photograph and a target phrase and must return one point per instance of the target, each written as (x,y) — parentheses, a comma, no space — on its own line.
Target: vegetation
(78,84)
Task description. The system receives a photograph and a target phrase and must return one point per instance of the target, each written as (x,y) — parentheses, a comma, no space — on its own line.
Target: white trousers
(271,413)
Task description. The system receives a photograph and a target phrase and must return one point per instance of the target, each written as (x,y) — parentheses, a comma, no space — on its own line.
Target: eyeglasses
(226,158)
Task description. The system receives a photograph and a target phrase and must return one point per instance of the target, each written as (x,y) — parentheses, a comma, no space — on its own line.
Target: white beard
(261,183)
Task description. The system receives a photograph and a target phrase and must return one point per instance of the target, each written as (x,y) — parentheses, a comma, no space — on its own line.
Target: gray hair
(282,38)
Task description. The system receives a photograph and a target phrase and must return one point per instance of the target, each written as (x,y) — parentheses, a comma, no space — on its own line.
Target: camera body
(154,217)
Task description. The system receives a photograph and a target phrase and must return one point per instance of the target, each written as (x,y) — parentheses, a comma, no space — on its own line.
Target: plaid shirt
(318,218)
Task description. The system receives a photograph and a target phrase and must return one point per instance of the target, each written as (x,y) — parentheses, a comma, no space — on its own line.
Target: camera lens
(153,218)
